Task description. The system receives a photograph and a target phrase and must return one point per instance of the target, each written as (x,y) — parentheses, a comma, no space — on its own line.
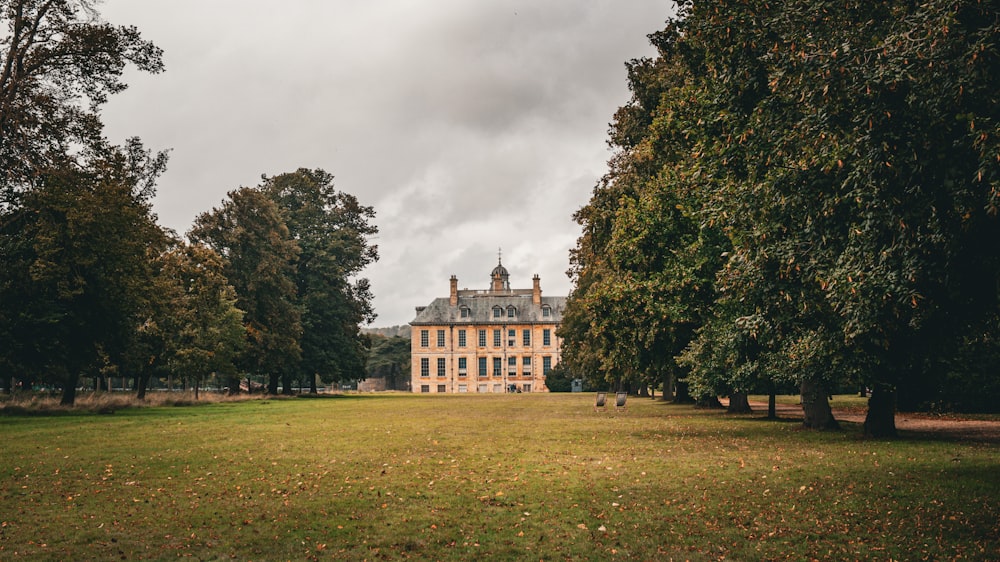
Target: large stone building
(498,340)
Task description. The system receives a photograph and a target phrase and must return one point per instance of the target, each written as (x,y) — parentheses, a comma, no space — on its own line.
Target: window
(482,338)
(526,338)
(442,388)
(512,366)
(465,312)
(461,338)
(442,364)
(463,388)
(511,338)
(546,311)
(498,388)
(482,388)
(424,339)
(497,312)
(482,367)
(496,338)
(425,367)
(425,388)
(526,388)
(526,366)
(463,366)
(440,338)
(497,364)
(546,365)
(511,312)
(546,337)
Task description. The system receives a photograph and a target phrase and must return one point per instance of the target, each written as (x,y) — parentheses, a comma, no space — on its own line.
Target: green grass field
(460,477)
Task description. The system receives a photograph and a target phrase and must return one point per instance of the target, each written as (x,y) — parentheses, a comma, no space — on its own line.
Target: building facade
(499,340)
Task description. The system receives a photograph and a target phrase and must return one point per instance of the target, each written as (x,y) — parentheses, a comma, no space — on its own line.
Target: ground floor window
(498,388)
(482,388)
(442,388)
(463,388)
(425,388)
(526,388)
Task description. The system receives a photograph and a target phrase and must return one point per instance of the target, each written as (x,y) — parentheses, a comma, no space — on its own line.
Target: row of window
(425,338)
(463,366)
(511,312)
(481,388)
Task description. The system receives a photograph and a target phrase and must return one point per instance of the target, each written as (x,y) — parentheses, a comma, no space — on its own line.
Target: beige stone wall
(450,379)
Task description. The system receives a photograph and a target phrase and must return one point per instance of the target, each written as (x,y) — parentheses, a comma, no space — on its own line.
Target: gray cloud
(467,125)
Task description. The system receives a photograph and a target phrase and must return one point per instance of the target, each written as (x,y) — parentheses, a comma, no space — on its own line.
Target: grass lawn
(459,477)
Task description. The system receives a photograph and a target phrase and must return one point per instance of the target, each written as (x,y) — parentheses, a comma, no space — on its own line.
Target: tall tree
(250,233)
(58,65)
(80,266)
(849,155)
(203,325)
(332,230)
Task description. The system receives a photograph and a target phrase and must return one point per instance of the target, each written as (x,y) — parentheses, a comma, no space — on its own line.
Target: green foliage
(76,231)
(203,326)
(848,155)
(250,233)
(78,274)
(331,229)
(389,358)
(58,65)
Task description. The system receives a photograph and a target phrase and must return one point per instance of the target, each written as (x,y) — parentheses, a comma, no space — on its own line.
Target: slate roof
(481,304)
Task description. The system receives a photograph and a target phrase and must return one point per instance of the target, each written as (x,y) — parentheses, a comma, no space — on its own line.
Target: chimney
(536,290)
(454,291)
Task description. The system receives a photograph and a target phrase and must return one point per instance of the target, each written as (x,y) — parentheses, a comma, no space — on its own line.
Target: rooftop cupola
(500,279)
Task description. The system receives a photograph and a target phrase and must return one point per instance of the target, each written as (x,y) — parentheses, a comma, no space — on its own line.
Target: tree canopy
(827,179)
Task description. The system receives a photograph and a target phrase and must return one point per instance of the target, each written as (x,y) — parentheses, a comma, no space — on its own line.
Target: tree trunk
(880,420)
(286,384)
(272,384)
(739,403)
(815,406)
(772,406)
(141,382)
(69,388)
(312,385)
(668,385)
(683,395)
(196,389)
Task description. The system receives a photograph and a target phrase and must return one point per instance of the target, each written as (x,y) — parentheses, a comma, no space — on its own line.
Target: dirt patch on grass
(950,426)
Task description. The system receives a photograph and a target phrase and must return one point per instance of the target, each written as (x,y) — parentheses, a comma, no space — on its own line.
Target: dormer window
(497,312)
(511,312)
(465,312)
(546,311)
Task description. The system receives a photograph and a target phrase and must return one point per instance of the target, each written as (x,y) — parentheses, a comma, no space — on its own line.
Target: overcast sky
(469,125)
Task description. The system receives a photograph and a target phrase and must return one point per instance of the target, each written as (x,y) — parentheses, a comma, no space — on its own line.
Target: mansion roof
(479,306)
(498,305)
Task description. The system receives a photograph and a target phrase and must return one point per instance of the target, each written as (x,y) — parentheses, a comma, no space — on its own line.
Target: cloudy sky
(469,125)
